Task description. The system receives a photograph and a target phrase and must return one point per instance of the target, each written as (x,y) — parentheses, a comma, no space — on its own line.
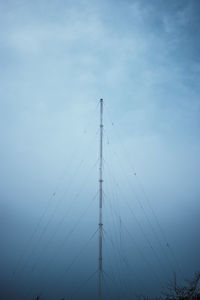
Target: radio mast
(100,201)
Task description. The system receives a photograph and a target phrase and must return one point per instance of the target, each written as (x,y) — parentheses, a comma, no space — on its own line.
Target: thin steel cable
(127,266)
(80,253)
(67,212)
(126,288)
(151,226)
(50,220)
(68,235)
(84,283)
(148,201)
(115,237)
(115,247)
(138,223)
(142,231)
(74,228)
(84,247)
(144,258)
(39,222)
(105,285)
(115,224)
(120,245)
(110,260)
(163,234)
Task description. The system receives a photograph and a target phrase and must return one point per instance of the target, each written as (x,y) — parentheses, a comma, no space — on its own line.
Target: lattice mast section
(100,202)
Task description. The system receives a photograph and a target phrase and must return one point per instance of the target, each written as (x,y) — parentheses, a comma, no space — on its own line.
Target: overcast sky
(58,58)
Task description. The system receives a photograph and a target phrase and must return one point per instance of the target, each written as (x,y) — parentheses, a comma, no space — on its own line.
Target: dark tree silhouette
(191,290)
(188,291)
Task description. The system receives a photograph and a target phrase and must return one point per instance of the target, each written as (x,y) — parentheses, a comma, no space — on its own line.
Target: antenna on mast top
(100,201)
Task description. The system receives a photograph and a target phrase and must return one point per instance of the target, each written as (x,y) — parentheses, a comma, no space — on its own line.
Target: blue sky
(58,58)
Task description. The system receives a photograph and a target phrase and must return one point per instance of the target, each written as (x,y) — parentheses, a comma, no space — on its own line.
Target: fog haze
(58,58)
